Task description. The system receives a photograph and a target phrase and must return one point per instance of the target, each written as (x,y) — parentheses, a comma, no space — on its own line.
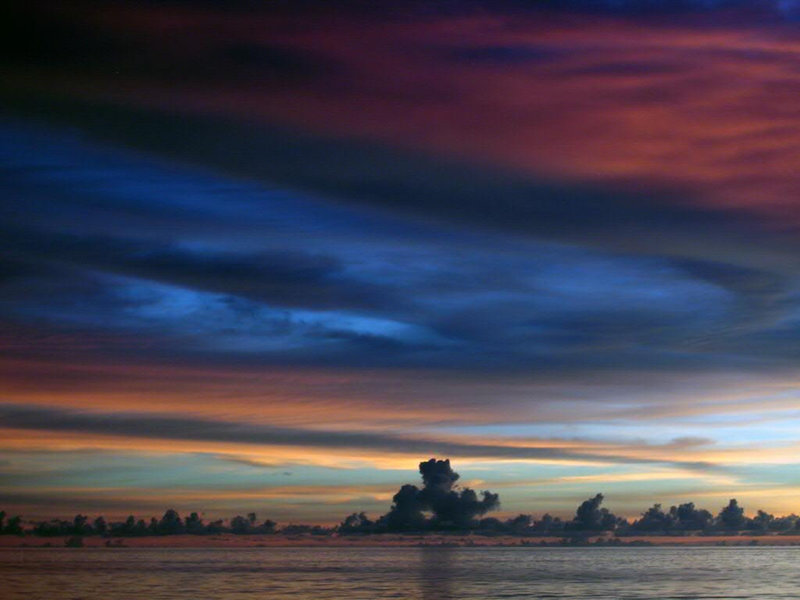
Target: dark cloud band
(156,426)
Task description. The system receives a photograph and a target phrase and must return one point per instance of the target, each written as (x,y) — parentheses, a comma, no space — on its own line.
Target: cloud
(653,132)
(782,8)
(407,301)
(519,218)
(168,427)
(287,278)
(412,183)
(348,287)
(71,41)
(452,507)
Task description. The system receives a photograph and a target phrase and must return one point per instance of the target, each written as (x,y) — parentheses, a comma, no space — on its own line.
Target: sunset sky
(269,257)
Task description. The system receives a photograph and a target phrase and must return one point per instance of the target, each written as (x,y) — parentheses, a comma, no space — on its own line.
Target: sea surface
(429,573)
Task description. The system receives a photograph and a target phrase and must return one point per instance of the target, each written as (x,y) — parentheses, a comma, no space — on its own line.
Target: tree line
(439,505)
(591,518)
(171,523)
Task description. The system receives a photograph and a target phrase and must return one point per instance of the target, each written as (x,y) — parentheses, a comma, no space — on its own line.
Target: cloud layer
(508,233)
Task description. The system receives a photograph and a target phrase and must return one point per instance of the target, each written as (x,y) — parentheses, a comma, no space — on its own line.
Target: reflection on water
(431,573)
(436,573)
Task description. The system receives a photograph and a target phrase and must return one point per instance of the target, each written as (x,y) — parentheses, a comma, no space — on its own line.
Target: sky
(269,257)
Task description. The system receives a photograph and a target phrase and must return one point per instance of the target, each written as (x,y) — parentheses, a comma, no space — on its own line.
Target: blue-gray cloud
(103,241)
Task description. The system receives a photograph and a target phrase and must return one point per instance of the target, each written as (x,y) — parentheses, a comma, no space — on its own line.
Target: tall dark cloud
(451,508)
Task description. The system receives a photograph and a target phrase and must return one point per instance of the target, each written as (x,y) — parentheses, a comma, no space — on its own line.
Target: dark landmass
(440,512)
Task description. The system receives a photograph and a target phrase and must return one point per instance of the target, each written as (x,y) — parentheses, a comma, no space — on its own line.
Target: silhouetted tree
(80,525)
(492,525)
(654,520)
(194,524)
(100,525)
(548,525)
(520,525)
(142,528)
(785,523)
(130,525)
(689,518)
(240,525)
(269,526)
(124,528)
(14,526)
(170,523)
(732,516)
(217,526)
(356,523)
(761,522)
(590,517)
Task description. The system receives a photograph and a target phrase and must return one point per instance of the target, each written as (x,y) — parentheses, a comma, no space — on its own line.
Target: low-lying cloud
(168,427)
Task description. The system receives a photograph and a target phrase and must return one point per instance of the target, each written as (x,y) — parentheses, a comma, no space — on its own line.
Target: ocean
(430,573)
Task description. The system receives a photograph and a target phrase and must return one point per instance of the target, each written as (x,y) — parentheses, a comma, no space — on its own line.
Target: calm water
(429,573)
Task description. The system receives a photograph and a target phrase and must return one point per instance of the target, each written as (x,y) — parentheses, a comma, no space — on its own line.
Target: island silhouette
(440,505)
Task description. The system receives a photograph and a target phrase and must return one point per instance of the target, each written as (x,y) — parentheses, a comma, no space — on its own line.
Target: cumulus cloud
(451,507)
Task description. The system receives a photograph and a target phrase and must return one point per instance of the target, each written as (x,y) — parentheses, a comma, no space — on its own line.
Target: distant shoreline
(389,540)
